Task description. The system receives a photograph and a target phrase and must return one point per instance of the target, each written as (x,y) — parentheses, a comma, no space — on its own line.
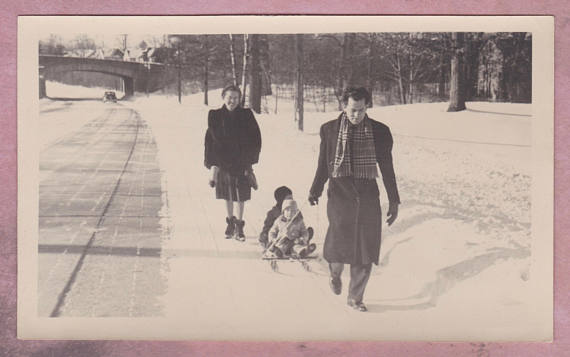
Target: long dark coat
(353,208)
(233,140)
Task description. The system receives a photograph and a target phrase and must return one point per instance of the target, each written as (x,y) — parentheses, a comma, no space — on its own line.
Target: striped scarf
(355,150)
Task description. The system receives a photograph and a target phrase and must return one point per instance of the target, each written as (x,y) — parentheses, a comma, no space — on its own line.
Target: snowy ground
(463,233)
(54,115)
(458,254)
(61,90)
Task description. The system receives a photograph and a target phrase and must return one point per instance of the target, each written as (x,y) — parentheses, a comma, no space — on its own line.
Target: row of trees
(410,67)
(455,66)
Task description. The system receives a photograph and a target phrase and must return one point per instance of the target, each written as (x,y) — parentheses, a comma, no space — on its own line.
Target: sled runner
(304,261)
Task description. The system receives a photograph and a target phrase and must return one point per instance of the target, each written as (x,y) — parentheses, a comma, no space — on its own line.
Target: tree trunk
(344,75)
(255,75)
(206,60)
(244,70)
(233,59)
(400,80)
(470,66)
(299,80)
(410,70)
(276,98)
(42,83)
(456,91)
(442,67)
(369,79)
(411,82)
(264,62)
(349,63)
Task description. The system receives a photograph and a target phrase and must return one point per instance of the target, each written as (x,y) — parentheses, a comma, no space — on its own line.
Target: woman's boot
(230,229)
(239,230)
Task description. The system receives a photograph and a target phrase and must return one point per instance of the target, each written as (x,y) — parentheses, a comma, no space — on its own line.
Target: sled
(304,261)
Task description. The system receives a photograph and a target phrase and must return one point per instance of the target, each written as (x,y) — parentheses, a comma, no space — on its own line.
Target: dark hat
(281,193)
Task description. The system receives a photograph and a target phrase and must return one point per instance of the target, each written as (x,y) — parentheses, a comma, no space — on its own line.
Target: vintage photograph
(248,183)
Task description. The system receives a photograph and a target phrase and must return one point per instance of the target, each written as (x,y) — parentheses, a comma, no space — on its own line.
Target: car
(109,96)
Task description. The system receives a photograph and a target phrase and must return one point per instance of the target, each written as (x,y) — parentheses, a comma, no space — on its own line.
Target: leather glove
(392,213)
(313,200)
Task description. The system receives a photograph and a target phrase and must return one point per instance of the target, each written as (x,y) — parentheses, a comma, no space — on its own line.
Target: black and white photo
(286,178)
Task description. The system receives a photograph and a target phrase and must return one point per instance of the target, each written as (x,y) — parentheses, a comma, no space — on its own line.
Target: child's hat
(289,203)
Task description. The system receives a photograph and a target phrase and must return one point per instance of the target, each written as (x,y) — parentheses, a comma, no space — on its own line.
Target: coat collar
(338,120)
(225,109)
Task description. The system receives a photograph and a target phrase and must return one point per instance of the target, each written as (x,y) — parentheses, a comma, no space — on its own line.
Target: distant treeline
(401,68)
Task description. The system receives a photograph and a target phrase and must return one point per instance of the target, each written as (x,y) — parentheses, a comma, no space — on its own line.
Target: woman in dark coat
(232,146)
(350,148)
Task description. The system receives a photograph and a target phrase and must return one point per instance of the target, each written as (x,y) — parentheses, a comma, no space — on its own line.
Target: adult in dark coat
(232,146)
(350,148)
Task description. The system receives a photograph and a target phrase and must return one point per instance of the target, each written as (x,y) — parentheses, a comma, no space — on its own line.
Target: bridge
(136,76)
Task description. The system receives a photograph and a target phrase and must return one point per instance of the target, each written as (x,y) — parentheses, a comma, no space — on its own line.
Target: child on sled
(280,194)
(289,236)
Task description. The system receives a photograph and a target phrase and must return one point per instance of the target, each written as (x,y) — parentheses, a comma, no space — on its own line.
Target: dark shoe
(263,242)
(239,230)
(357,305)
(336,285)
(311,248)
(305,252)
(230,229)
(278,252)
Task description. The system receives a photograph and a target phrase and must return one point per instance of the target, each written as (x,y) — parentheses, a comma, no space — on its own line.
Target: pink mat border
(9,11)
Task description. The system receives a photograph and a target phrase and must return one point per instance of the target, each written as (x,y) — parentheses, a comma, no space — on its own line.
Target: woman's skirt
(232,187)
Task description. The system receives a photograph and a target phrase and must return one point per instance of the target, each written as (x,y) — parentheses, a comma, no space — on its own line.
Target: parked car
(110,96)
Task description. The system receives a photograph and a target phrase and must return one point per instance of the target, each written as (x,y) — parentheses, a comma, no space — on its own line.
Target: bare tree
(244,71)
(122,40)
(299,101)
(456,92)
(83,44)
(443,66)
(233,59)
(396,63)
(255,74)
(421,55)
(344,78)
(205,47)
(394,46)
(370,63)
(264,62)
(52,46)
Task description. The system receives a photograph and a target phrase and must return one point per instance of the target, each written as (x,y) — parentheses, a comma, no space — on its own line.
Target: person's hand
(313,200)
(213,176)
(392,213)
